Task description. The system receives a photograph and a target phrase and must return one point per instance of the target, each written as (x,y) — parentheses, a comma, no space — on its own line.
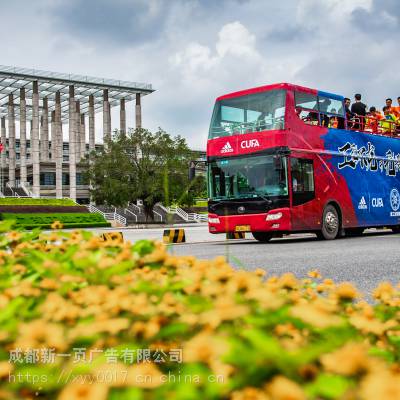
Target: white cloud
(235,39)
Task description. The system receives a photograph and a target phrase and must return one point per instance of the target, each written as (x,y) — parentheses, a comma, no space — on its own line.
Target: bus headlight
(213,220)
(273,217)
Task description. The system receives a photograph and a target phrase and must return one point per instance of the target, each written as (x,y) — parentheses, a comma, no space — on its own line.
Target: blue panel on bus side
(370,165)
(331,95)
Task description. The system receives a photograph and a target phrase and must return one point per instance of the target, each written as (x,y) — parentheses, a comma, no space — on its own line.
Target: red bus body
(360,183)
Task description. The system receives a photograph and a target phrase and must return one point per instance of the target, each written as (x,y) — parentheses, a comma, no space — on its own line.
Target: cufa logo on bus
(248,144)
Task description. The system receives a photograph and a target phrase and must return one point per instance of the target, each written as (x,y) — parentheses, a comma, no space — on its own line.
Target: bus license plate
(242,228)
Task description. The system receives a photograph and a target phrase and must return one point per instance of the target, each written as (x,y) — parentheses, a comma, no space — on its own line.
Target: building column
(122,116)
(106,118)
(138,111)
(11,141)
(53,135)
(22,136)
(58,145)
(35,140)
(83,136)
(3,152)
(78,130)
(71,135)
(91,124)
(44,132)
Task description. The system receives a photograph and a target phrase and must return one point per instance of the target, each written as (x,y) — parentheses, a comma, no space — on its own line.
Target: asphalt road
(364,261)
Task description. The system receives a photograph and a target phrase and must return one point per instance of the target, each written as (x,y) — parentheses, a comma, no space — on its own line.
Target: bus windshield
(255,112)
(248,177)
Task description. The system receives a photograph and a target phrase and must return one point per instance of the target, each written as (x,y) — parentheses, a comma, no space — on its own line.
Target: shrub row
(22,209)
(31,201)
(30,221)
(131,321)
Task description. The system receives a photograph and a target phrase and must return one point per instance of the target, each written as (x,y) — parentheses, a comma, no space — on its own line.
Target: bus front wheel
(262,237)
(330,223)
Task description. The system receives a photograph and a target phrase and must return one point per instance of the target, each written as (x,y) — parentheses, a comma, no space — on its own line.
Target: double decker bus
(284,158)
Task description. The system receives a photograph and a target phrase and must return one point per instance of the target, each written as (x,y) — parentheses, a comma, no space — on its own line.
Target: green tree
(142,165)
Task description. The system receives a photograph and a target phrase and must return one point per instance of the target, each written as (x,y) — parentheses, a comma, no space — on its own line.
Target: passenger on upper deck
(347,110)
(388,124)
(396,110)
(372,120)
(359,108)
(333,120)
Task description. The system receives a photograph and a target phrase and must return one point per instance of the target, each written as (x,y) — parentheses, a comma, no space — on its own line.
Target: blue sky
(195,50)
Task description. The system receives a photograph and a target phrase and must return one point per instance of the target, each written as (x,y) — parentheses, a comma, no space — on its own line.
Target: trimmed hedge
(29,209)
(69,220)
(133,322)
(15,201)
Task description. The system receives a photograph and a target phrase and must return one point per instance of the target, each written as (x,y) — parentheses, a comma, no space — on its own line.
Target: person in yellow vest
(388,124)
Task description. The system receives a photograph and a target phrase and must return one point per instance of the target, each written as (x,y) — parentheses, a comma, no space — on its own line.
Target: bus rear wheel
(396,229)
(262,237)
(330,223)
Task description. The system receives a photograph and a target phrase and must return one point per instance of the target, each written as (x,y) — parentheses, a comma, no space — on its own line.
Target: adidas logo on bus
(227,148)
(362,205)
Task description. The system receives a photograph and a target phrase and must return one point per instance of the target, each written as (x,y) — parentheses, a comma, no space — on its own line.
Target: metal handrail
(155,212)
(108,216)
(130,212)
(25,188)
(134,205)
(183,214)
(358,123)
(14,193)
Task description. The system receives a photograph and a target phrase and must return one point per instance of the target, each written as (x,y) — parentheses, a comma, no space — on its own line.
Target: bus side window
(306,105)
(302,180)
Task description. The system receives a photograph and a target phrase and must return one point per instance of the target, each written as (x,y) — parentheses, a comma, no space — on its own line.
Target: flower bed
(68,220)
(86,319)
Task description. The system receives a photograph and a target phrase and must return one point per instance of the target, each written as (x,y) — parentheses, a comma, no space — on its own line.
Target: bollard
(112,236)
(174,236)
(236,235)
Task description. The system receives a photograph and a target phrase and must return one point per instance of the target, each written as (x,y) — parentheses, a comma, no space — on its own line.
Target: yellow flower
(48,283)
(146,376)
(319,313)
(260,272)
(350,359)
(282,388)
(372,325)
(84,391)
(249,393)
(225,309)
(14,236)
(204,347)
(41,334)
(385,291)
(314,274)
(345,291)
(57,225)
(5,369)
(288,281)
(382,384)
